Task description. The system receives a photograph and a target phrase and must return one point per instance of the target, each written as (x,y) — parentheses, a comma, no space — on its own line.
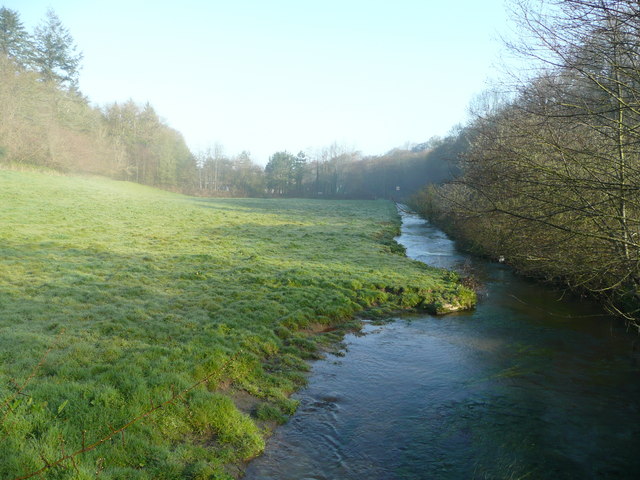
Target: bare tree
(552,178)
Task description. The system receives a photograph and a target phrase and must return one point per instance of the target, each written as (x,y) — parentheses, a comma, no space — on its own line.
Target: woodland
(46,122)
(550,176)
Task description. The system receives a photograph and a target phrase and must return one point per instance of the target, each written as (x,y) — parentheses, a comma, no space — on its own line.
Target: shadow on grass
(299,207)
(144,316)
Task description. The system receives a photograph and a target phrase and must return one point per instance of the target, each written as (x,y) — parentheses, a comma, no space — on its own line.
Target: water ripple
(507,391)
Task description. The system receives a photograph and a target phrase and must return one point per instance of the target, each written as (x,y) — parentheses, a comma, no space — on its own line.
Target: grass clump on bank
(136,294)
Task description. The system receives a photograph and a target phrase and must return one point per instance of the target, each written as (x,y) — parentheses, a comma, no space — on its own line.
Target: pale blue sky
(271,75)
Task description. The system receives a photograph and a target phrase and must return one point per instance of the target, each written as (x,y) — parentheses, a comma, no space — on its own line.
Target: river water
(528,385)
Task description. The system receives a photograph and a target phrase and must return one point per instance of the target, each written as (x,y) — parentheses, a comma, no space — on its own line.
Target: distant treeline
(45,121)
(331,172)
(336,172)
(551,177)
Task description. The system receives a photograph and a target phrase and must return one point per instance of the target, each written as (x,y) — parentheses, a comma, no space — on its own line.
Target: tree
(25,113)
(145,149)
(15,42)
(299,168)
(247,178)
(280,173)
(215,169)
(552,177)
(55,54)
(589,103)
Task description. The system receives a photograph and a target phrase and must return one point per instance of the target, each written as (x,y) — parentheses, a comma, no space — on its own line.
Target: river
(528,385)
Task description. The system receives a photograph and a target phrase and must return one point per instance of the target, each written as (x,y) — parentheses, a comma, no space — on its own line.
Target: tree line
(45,121)
(550,179)
(330,172)
(337,172)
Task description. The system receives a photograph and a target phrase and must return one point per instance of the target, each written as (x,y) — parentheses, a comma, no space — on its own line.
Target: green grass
(139,293)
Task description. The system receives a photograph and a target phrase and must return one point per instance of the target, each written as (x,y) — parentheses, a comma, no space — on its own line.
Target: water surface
(528,385)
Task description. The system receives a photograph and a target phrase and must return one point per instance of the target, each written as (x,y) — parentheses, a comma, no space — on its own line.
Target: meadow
(150,335)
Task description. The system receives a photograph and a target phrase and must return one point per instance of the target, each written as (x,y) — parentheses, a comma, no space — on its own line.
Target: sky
(272,75)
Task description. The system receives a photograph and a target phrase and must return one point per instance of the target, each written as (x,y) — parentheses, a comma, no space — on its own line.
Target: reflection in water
(525,386)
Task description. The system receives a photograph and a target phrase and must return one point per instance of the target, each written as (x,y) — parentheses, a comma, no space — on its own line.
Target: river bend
(528,385)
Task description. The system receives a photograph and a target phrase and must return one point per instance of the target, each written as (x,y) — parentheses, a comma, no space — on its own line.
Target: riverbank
(529,384)
(185,322)
(564,252)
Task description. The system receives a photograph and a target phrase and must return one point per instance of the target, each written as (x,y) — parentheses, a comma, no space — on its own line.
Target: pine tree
(55,53)
(15,41)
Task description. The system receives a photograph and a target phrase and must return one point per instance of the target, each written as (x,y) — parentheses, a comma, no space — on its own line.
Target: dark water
(526,386)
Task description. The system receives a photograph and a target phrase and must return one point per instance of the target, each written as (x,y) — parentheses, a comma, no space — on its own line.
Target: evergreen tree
(280,173)
(15,42)
(55,54)
(299,168)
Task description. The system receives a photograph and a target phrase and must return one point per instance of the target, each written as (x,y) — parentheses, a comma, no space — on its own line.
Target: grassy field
(115,298)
